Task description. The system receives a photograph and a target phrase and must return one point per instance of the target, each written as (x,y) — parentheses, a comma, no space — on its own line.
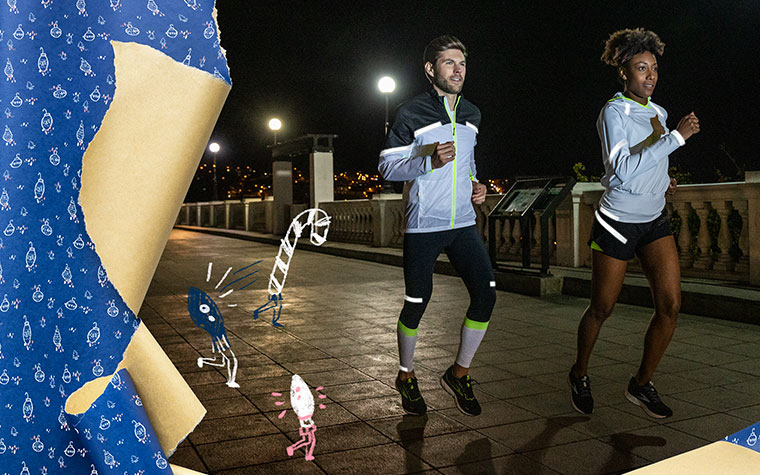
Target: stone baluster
(515,242)
(552,235)
(703,261)
(503,236)
(742,265)
(684,237)
(724,261)
(535,249)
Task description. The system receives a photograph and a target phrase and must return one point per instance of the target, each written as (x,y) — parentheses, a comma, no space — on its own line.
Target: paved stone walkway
(339,332)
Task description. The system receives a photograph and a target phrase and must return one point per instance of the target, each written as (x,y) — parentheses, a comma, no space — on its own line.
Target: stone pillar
(704,261)
(246,218)
(724,261)
(684,237)
(226,215)
(320,178)
(282,189)
(743,265)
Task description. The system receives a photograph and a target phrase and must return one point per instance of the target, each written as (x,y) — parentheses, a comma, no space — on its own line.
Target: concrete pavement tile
(209,392)
(713,341)
(375,408)
(209,375)
(587,456)
(187,457)
(515,387)
(494,413)
(386,459)
(335,377)
(716,375)
(750,366)
(712,356)
(720,400)
(295,466)
(231,428)
(676,365)
(260,371)
(747,349)
(749,387)
(456,449)
(508,465)
(535,434)
(654,443)
(360,361)
(607,420)
(407,428)
(750,413)
(537,366)
(356,348)
(266,385)
(545,405)
(244,452)
(363,390)
(233,406)
(181,352)
(711,427)
(332,414)
(501,357)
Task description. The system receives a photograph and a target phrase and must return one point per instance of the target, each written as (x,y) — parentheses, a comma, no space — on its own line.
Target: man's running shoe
(461,389)
(581,397)
(647,398)
(411,398)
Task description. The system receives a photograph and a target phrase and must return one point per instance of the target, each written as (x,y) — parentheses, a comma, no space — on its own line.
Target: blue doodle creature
(206,315)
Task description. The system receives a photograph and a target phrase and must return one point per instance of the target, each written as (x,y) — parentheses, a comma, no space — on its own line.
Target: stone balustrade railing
(712,224)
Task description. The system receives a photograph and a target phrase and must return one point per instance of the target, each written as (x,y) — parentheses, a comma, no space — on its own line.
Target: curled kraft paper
(108,106)
(117,433)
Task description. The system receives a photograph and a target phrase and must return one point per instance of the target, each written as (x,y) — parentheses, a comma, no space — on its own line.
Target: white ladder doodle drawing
(320,225)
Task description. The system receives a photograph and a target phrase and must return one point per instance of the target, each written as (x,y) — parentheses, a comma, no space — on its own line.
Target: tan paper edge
(183,471)
(135,175)
(718,458)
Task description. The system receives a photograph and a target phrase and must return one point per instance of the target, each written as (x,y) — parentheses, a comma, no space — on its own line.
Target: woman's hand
(688,126)
(672,187)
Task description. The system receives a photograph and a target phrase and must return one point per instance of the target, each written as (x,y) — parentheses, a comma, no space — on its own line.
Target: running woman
(631,218)
(431,148)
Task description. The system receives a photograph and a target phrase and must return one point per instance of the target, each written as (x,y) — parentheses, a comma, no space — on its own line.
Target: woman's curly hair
(623,45)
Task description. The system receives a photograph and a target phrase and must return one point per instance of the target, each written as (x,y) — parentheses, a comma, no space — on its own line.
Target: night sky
(534,71)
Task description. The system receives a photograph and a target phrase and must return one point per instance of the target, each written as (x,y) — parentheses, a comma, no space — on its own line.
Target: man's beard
(444,85)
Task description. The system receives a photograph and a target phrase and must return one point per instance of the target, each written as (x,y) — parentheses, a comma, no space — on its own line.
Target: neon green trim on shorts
(595,246)
(475,325)
(410,332)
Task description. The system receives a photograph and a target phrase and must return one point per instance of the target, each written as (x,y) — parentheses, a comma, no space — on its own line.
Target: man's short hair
(435,48)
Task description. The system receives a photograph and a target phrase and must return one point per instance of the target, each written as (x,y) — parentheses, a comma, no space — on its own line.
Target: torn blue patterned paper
(117,434)
(62,323)
(746,437)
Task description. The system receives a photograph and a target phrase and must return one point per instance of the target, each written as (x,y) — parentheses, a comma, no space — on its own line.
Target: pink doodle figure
(302,402)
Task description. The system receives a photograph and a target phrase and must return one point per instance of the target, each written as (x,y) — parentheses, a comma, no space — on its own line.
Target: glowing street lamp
(213,147)
(386,85)
(275,125)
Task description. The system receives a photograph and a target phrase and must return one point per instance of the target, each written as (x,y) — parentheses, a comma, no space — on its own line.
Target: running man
(431,148)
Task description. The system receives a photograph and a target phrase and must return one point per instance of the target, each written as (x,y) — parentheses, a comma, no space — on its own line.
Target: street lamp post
(275,125)
(214,148)
(386,85)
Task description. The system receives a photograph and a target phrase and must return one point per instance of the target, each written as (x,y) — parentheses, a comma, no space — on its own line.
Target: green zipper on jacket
(453,118)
